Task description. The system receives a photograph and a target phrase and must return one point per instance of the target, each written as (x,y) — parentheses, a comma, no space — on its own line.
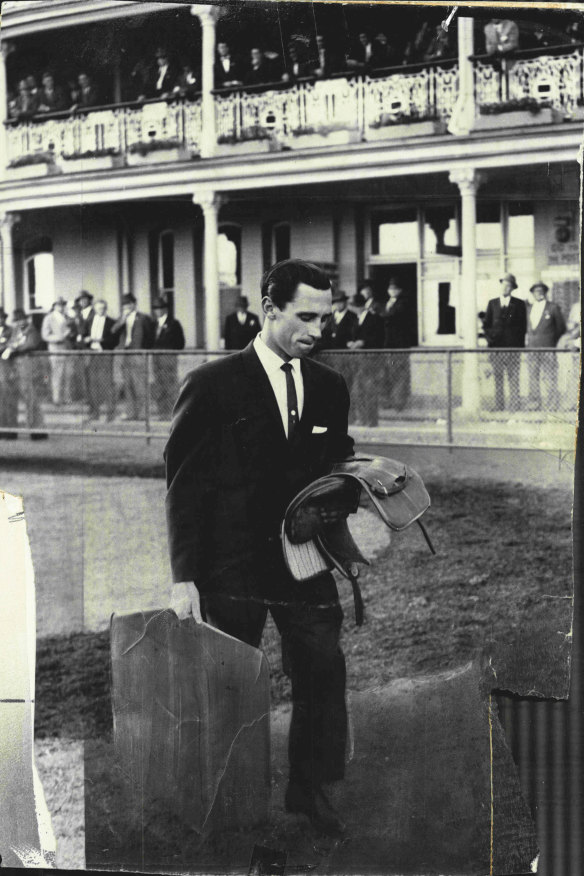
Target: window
(39,272)
(281,241)
(520,226)
(229,255)
(166,262)
(395,233)
(440,229)
(489,235)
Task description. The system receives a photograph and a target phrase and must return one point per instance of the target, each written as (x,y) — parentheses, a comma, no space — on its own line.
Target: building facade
(445,173)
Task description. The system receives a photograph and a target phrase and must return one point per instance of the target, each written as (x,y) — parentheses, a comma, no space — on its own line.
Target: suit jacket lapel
(262,388)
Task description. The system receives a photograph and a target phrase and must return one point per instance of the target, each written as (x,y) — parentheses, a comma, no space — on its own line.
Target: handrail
(533,52)
(79,112)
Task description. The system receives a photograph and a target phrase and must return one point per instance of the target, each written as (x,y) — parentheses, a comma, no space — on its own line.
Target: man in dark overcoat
(249,431)
(505,324)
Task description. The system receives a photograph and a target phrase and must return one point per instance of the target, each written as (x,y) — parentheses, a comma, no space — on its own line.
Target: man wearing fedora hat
(505,324)
(134,331)
(56,333)
(27,374)
(545,327)
(241,327)
(341,328)
(168,335)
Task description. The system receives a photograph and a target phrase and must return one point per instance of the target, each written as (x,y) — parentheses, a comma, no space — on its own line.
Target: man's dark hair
(282,279)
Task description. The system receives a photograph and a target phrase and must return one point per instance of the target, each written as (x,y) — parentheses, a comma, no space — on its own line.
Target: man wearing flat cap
(241,327)
(134,331)
(505,324)
(545,327)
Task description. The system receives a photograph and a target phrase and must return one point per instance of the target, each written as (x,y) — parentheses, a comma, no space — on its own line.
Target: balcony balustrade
(405,101)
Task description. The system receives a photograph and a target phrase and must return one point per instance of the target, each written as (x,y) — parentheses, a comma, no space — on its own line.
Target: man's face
(367,293)
(538,293)
(223,50)
(127,309)
(506,288)
(161,60)
(159,311)
(60,306)
(48,82)
(100,308)
(339,305)
(320,42)
(256,57)
(84,302)
(381,38)
(21,324)
(294,330)
(363,39)
(393,290)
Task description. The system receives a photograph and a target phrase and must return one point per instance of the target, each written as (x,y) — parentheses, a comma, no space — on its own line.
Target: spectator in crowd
(359,57)
(383,54)
(85,301)
(440,45)
(571,339)
(505,326)
(8,389)
(342,326)
(574,32)
(501,36)
(162,76)
(100,339)
(139,78)
(52,98)
(260,69)
(168,335)
(56,333)
(295,65)
(545,327)
(228,70)
(368,336)
(25,104)
(186,83)
(32,84)
(328,61)
(28,374)
(133,331)
(399,333)
(241,327)
(87,92)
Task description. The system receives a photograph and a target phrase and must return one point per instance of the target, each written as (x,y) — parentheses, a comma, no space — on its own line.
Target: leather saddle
(313,545)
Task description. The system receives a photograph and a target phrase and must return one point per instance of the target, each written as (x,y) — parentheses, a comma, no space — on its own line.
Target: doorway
(406,275)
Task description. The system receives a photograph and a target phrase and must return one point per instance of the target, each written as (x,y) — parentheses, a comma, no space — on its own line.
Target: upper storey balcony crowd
(277,75)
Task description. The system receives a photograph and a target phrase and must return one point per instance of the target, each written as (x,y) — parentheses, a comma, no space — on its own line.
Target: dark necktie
(292,400)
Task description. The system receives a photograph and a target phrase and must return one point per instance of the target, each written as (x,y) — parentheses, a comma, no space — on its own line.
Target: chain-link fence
(492,398)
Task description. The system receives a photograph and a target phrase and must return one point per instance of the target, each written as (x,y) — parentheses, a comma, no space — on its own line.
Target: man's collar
(270,360)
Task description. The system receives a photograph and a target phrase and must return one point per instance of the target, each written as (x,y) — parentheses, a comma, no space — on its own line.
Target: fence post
(147,397)
(449,437)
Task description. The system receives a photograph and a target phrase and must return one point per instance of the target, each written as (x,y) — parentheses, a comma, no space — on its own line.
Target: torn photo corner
(26,833)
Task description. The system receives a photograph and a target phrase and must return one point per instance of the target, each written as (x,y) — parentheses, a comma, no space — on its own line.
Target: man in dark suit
(162,76)
(134,331)
(505,324)
(99,340)
(342,327)
(228,70)
(399,333)
(240,327)
(545,327)
(168,335)
(367,369)
(249,431)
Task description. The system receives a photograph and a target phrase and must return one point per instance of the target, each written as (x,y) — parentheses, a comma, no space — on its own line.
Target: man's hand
(184,601)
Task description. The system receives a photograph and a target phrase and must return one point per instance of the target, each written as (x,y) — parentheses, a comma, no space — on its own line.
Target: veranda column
(468,181)
(210,203)
(8,296)
(207,15)
(464,113)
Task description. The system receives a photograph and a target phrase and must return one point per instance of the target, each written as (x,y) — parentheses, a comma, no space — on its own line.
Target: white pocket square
(318,430)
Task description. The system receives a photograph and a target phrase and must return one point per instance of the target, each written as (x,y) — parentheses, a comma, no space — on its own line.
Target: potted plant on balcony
(338,134)
(92,159)
(155,151)
(514,114)
(33,164)
(252,139)
(394,126)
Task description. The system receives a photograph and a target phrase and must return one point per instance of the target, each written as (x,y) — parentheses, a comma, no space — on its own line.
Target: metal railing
(490,398)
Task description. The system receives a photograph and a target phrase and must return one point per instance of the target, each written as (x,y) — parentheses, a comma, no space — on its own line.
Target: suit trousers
(134,383)
(313,660)
(505,361)
(8,395)
(165,389)
(60,377)
(366,386)
(544,367)
(99,374)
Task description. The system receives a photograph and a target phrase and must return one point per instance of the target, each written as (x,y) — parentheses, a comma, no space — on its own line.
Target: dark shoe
(8,436)
(315,805)
(39,436)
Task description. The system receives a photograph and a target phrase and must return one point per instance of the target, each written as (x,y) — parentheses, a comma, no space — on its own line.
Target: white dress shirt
(272,365)
(97,329)
(536,312)
(365,311)
(161,75)
(241,317)
(504,301)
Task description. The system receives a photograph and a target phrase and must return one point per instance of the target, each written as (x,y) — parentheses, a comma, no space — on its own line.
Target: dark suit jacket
(238,336)
(108,339)
(336,337)
(549,329)
(231,472)
(171,336)
(168,82)
(142,333)
(400,324)
(370,331)
(236,72)
(505,328)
